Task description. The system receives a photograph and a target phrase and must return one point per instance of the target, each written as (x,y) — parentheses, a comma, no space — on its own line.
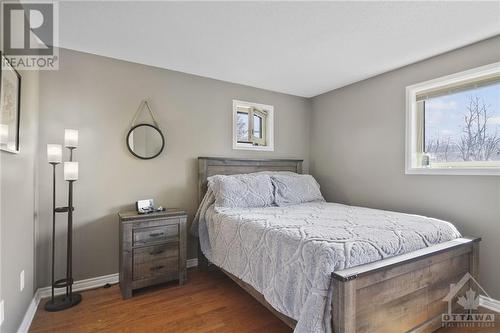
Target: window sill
(455,171)
(242,146)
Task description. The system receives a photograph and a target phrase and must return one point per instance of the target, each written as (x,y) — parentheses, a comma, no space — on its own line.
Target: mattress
(288,253)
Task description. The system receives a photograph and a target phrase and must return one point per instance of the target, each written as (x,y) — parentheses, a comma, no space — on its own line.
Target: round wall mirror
(145,141)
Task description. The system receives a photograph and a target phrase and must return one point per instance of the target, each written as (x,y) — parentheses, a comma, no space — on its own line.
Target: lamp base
(63,302)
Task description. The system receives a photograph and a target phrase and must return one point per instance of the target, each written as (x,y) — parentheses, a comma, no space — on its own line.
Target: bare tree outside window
(478,142)
(440,146)
(242,127)
(463,126)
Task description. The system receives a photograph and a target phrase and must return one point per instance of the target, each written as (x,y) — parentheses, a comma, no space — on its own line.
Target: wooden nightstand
(152,249)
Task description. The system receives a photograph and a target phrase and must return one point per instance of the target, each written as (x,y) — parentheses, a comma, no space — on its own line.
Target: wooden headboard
(210,166)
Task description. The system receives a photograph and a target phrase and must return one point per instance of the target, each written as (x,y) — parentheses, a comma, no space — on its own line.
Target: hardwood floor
(208,302)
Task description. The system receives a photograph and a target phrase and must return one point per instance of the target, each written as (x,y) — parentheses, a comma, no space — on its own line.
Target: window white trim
(269,126)
(412,158)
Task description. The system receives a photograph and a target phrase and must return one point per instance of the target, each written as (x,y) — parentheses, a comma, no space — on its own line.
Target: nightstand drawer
(155,252)
(160,267)
(156,234)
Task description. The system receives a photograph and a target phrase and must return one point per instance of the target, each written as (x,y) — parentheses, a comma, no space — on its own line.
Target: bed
(401,292)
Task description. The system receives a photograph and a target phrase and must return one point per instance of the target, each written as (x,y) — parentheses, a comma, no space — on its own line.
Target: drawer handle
(156,268)
(156,234)
(154,253)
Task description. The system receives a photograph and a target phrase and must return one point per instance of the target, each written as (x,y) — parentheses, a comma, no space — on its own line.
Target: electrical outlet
(21,281)
(1,312)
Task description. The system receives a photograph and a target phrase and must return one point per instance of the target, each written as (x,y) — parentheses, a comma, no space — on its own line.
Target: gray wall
(18,208)
(99,96)
(358,146)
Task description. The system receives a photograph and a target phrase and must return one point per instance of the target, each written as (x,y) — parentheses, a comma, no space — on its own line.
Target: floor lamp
(54,156)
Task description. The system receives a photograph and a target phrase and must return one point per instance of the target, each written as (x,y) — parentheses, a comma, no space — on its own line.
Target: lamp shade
(70,138)
(54,153)
(70,170)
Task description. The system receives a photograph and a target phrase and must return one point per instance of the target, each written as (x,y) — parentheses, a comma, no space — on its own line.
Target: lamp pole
(53,224)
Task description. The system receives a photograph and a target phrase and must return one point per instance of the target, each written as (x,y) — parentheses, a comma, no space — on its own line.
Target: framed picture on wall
(10,107)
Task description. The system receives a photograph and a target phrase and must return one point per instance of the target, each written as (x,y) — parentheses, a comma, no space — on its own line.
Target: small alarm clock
(145,206)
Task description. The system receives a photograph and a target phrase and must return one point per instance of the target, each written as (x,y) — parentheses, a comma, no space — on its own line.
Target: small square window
(253,126)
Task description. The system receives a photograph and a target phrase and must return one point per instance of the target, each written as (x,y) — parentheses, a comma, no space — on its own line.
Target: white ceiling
(299,48)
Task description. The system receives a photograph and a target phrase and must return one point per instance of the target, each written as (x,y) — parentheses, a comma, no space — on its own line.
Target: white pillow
(242,190)
(295,189)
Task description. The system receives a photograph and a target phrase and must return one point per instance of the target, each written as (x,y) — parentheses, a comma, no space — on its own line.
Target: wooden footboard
(403,293)
(399,294)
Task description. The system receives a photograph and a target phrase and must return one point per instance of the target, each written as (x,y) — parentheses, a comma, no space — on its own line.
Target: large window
(252,126)
(453,124)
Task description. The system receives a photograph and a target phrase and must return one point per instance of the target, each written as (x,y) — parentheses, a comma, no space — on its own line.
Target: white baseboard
(489,303)
(80,285)
(30,313)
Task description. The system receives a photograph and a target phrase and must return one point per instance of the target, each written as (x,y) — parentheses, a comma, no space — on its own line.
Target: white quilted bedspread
(289,253)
